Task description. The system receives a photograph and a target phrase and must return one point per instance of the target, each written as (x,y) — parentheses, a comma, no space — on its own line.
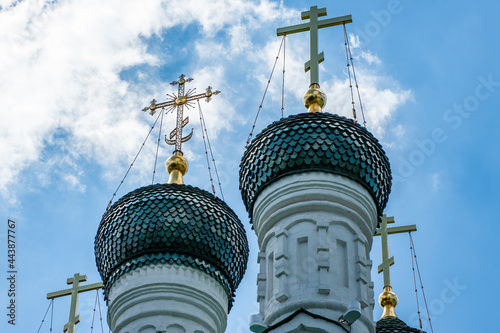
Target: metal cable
(132,164)
(100,312)
(421,285)
(349,73)
(93,314)
(415,282)
(355,79)
(265,92)
(51,302)
(206,151)
(283,84)
(211,153)
(51,316)
(158,145)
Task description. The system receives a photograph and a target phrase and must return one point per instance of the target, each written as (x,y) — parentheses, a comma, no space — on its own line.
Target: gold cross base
(314,99)
(388,300)
(176,166)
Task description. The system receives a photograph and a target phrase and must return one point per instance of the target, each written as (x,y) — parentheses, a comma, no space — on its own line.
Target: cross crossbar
(81,289)
(178,102)
(383,232)
(331,22)
(313,25)
(74,291)
(399,230)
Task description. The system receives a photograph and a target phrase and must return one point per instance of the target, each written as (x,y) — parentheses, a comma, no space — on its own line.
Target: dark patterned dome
(176,224)
(315,141)
(394,325)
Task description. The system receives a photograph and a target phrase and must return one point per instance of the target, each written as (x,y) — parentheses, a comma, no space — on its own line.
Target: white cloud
(436,181)
(5,4)
(399,131)
(60,66)
(74,182)
(370,58)
(380,94)
(354,41)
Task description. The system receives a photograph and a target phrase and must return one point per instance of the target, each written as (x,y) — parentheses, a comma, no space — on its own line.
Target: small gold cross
(73,291)
(178,101)
(313,25)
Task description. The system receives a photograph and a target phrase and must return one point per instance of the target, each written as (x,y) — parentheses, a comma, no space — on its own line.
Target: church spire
(314,98)
(177,165)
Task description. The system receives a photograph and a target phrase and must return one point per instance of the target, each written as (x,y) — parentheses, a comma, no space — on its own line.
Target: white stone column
(316,230)
(167,298)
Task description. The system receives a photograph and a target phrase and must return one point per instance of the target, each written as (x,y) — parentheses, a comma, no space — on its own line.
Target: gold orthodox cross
(178,101)
(313,25)
(383,232)
(75,281)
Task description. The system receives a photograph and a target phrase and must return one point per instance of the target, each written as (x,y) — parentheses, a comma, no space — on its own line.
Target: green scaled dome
(394,324)
(174,224)
(315,142)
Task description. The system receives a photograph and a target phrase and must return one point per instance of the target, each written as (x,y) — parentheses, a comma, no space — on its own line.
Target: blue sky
(75,75)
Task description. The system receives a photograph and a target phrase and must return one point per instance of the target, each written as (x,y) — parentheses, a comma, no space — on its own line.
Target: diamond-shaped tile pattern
(394,325)
(170,223)
(315,141)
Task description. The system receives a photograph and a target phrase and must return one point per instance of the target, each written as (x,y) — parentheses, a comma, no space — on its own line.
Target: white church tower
(314,185)
(170,255)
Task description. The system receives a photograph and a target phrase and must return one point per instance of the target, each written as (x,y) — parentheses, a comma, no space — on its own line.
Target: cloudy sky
(74,76)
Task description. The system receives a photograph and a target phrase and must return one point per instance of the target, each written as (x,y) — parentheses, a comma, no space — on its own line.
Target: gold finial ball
(314,99)
(180,100)
(177,162)
(388,298)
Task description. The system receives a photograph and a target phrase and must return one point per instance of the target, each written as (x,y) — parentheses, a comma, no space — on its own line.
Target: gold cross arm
(307,26)
(384,231)
(153,106)
(399,230)
(177,102)
(313,25)
(74,291)
(81,289)
(180,100)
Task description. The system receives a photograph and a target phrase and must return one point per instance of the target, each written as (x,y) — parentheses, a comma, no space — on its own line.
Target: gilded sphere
(180,100)
(177,162)
(314,99)
(388,298)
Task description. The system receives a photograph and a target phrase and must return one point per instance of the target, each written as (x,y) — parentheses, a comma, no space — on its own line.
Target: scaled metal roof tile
(394,325)
(315,141)
(178,224)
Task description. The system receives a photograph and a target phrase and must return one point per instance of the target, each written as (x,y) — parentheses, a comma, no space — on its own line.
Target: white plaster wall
(169,299)
(315,232)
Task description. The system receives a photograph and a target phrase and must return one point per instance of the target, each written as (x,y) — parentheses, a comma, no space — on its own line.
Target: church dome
(394,325)
(315,142)
(175,224)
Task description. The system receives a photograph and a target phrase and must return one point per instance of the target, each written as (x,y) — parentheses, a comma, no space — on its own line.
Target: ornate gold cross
(383,232)
(75,281)
(178,102)
(313,25)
